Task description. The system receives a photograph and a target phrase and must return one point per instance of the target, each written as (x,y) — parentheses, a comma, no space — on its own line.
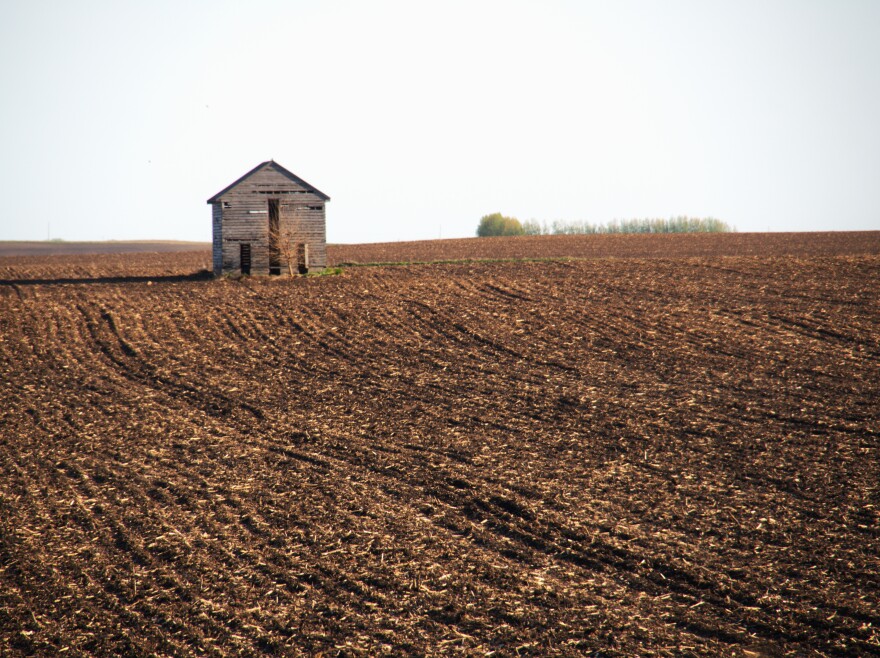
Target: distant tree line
(498,224)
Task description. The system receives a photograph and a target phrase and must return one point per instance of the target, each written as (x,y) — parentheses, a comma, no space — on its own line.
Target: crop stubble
(629,456)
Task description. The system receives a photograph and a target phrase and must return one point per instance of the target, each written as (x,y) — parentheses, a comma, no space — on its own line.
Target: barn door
(245,257)
(302,258)
(275,238)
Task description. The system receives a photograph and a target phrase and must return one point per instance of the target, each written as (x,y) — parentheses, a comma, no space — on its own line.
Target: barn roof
(277,167)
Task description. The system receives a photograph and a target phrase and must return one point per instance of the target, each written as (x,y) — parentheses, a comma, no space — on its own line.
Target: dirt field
(672,455)
(50,248)
(767,245)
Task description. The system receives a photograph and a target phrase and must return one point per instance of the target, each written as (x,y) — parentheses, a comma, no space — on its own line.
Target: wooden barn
(269,221)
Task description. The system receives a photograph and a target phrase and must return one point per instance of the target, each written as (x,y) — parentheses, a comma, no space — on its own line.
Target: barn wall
(305,223)
(217,246)
(245,218)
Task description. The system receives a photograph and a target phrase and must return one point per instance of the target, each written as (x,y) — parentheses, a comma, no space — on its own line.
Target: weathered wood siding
(217,247)
(244,218)
(305,224)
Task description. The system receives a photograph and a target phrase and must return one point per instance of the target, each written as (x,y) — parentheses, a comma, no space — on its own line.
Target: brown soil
(627,456)
(36,248)
(695,245)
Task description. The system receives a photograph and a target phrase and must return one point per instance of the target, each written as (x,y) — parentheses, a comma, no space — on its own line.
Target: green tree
(498,224)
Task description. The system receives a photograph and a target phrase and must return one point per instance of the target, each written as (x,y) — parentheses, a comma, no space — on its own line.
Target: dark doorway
(302,258)
(245,258)
(275,238)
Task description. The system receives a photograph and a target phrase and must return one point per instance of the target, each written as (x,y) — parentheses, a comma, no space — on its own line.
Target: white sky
(119,118)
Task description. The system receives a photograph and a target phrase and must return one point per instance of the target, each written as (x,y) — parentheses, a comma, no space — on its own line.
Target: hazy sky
(119,118)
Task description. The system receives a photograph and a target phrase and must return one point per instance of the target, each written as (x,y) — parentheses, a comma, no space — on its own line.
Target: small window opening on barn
(226,204)
(316,207)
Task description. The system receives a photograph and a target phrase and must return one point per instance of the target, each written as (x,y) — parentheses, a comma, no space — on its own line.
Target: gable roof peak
(276,167)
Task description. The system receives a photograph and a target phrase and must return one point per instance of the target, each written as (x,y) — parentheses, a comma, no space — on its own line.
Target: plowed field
(631,456)
(696,245)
